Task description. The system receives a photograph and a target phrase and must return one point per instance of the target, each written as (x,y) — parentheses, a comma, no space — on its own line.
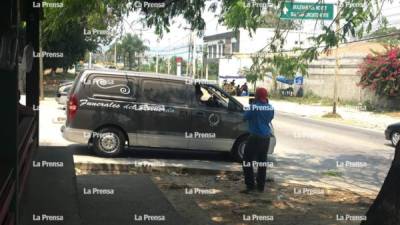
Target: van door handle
(200,114)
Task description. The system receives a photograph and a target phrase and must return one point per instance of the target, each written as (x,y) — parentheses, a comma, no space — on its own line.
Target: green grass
(332,173)
(332,115)
(309,98)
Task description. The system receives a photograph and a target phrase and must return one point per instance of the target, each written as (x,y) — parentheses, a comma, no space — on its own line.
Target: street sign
(306,10)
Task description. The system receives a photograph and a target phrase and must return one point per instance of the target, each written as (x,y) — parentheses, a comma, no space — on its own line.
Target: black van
(110,110)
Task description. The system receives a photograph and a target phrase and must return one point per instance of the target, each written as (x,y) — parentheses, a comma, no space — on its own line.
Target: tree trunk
(385,210)
(275,83)
(130,60)
(124,60)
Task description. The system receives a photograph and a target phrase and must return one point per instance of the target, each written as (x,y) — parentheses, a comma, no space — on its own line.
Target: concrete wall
(321,76)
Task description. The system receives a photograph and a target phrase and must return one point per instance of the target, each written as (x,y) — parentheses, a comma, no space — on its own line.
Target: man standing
(259,115)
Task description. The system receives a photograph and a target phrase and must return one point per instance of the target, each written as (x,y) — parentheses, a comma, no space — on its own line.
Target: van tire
(238,148)
(108,142)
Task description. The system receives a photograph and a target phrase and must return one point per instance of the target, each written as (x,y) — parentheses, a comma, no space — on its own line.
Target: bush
(381,73)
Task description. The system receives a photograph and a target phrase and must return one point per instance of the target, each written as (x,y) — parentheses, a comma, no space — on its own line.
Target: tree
(69,29)
(131,48)
(257,71)
(393,35)
(385,210)
(278,64)
(69,41)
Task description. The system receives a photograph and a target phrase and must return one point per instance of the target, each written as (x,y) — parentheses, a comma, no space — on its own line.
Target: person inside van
(259,115)
(198,92)
(212,101)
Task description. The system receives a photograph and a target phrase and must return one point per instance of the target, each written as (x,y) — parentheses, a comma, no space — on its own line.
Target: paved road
(307,148)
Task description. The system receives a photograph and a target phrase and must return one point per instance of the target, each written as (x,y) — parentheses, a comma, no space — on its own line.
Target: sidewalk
(351,115)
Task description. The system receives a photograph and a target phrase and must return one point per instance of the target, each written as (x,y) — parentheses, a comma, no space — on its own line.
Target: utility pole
(115,53)
(157,63)
(90,60)
(158,40)
(335,85)
(193,56)
(169,65)
(188,59)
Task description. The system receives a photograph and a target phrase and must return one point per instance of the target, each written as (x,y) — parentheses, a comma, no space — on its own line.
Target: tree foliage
(277,64)
(392,35)
(76,28)
(131,47)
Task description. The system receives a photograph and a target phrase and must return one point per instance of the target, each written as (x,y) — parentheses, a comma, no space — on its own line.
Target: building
(233,50)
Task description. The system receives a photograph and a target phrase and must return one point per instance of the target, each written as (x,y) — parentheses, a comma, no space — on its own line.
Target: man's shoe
(260,189)
(247,191)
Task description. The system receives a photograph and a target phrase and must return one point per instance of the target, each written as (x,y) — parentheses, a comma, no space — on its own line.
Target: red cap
(261,94)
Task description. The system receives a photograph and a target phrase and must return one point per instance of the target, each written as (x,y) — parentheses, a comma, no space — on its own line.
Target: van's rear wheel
(238,149)
(108,142)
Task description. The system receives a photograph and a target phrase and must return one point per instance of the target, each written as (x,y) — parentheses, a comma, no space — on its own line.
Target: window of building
(235,47)
(214,51)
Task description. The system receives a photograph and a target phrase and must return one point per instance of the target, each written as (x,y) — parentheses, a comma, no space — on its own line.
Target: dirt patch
(207,197)
(393,114)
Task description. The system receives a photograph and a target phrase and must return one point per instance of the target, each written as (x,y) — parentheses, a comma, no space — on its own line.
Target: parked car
(110,110)
(392,133)
(62,93)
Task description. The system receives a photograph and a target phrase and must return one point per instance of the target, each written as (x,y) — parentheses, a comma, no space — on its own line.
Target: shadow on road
(354,170)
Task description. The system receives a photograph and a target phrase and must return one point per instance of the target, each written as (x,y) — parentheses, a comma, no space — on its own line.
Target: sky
(176,41)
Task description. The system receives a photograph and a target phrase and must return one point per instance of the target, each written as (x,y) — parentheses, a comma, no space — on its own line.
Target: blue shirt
(259,116)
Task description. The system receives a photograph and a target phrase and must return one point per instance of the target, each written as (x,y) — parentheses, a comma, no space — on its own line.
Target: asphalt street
(316,151)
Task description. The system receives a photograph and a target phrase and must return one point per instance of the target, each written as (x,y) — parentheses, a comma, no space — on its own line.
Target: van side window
(110,86)
(164,92)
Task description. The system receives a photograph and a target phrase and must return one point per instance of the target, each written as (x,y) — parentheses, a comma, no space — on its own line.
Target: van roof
(143,74)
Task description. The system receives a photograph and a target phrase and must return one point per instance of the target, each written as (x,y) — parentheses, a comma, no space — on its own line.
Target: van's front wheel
(108,142)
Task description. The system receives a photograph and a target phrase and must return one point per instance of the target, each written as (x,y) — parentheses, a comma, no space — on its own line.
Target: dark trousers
(255,153)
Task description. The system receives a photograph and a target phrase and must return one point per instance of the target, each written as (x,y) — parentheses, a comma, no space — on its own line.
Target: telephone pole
(189,53)
(335,85)
(193,56)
